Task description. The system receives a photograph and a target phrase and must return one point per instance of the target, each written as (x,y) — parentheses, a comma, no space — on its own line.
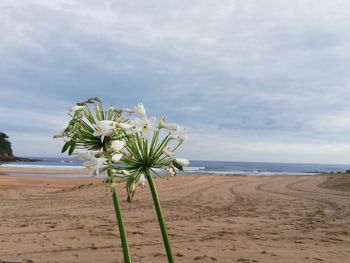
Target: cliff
(6,154)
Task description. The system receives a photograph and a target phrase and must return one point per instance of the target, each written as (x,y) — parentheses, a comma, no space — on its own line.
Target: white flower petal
(142,180)
(171,171)
(96,165)
(117,157)
(117,145)
(168,126)
(103,128)
(168,152)
(145,125)
(171,126)
(180,134)
(182,162)
(140,109)
(124,125)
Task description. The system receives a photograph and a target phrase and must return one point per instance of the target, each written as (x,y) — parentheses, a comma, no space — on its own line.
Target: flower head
(180,134)
(169,126)
(140,109)
(136,146)
(103,128)
(145,125)
(98,166)
(92,163)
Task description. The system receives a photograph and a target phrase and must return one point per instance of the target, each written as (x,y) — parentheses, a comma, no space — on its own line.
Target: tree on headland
(6,154)
(5,147)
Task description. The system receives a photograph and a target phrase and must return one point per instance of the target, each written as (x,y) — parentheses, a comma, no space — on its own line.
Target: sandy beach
(210,219)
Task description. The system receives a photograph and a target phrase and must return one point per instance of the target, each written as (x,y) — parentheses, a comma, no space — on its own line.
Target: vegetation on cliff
(6,153)
(5,147)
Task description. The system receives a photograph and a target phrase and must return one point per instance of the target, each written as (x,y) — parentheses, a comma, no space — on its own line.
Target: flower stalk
(160,216)
(122,232)
(119,216)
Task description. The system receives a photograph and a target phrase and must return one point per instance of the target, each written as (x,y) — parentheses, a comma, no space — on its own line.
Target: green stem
(160,216)
(120,221)
(122,232)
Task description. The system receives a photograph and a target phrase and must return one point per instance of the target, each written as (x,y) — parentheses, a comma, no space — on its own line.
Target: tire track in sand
(297,194)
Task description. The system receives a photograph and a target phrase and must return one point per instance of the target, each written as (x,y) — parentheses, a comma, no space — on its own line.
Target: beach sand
(210,219)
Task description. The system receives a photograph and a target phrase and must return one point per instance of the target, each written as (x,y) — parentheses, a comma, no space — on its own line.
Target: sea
(204,167)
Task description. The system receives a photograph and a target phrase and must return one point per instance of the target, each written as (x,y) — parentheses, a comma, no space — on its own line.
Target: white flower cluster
(125,142)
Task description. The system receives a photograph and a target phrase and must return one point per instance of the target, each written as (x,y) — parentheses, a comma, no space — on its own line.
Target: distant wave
(257,173)
(194,168)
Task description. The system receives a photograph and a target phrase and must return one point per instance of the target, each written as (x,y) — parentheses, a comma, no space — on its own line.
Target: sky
(251,80)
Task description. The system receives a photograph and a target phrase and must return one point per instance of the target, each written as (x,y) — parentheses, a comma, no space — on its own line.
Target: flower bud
(76,108)
(116,157)
(168,152)
(117,145)
(124,172)
(124,125)
(171,171)
(142,180)
(140,109)
(182,162)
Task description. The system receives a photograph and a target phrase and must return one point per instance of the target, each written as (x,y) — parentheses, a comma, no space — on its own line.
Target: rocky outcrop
(6,154)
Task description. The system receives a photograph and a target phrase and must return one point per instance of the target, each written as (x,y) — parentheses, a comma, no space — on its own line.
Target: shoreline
(17,171)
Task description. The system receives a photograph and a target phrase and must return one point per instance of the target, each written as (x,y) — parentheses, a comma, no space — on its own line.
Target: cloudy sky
(251,80)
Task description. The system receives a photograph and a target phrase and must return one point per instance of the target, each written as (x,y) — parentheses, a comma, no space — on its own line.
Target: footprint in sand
(158,255)
(205,257)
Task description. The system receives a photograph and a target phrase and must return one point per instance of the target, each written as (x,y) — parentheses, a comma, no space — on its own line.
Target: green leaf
(72,148)
(66,146)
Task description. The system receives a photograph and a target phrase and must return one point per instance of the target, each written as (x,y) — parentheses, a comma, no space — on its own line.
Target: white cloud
(337,122)
(245,69)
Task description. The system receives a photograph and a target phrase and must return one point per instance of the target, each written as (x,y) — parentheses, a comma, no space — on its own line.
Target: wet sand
(210,219)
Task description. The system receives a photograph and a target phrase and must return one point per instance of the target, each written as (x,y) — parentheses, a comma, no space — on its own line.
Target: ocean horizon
(202,167)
